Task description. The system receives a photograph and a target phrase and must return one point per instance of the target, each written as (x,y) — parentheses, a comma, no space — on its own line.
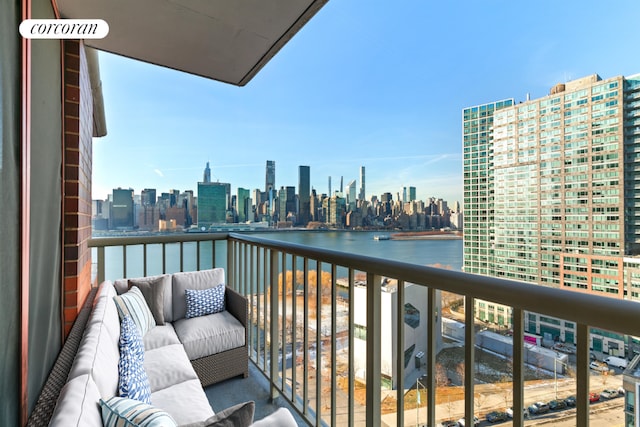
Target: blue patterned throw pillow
(132,381)
(206,301)
(119,411)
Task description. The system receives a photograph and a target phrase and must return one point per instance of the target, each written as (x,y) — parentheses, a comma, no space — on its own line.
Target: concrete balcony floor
(255,387)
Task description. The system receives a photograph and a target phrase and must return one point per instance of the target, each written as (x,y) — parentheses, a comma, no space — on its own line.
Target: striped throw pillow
(133,304)
(120,411)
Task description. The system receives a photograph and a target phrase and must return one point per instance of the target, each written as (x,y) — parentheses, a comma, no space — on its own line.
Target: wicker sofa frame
(231,363)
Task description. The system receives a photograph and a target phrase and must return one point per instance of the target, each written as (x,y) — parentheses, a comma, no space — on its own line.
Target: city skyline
(358,86)
(271,166)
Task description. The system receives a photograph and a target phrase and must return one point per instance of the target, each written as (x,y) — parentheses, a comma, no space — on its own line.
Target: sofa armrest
(237,305)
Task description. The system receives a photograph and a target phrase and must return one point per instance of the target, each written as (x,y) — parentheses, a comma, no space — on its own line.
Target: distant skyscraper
(351,195)
(243,202)
(412,194)
(304,194)
(361,195)
(213,200)
(148,197)
(207,174)
(341,185)
(270,176)
(122,209)
(329,187)
(404,195)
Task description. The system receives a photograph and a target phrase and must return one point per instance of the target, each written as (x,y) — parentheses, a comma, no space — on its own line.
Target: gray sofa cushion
(281,418)
(240,415)
(211,334)
(159,337)
(153,289)
(192,280)
(78,404)
(185,402)
(166,366)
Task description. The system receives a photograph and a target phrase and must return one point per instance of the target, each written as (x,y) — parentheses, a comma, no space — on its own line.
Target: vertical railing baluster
(305,354)
(318,343)
(374,347)
(400,351)
(198,255)
(334,342)
(260,285)
(213,254)
(294,329)
(469,359)
(181,256)
(124,261)
(518,367)
(432,333)
(283,274)
(273,322)
(265,305)
(245,269)
(101,266)
(164,258)
(144,260)
(351,380)
(582,375)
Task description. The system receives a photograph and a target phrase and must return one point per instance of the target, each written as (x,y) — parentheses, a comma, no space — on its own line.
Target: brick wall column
(77,163)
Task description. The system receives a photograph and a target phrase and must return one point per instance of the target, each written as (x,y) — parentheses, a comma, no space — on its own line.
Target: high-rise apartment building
(304,194)
(477,123)
(550,194)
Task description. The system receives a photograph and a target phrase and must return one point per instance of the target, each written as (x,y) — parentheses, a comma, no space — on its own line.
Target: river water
(442,252)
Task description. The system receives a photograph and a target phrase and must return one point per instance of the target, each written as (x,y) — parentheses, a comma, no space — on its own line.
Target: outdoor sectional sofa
(181,354)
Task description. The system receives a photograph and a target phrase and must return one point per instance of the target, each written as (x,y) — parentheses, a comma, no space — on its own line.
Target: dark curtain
(45,336)
(9,220)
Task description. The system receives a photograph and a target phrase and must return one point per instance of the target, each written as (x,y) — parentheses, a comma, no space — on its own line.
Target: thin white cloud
(158,172)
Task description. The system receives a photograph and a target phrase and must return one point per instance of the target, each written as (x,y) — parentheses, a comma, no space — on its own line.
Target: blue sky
(374,83)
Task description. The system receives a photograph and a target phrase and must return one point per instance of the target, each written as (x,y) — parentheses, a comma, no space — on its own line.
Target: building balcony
(347,339)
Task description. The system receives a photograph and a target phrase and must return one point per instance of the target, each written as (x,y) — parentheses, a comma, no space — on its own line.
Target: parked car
(570,401)
(556,405)
(608,394)
(620,391)
(449,423)
(476,422)
(525,412)
(594,397)
(596,366)
(539,408)
(496,416)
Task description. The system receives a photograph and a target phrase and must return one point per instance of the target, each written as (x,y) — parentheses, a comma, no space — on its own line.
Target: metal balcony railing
(307,333)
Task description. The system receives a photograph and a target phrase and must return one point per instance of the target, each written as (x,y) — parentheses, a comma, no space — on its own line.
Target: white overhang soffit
(225,40)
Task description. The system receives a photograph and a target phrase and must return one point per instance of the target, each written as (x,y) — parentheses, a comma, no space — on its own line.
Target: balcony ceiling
(225,40)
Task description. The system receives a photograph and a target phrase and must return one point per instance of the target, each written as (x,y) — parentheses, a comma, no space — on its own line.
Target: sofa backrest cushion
(98,353)
(153,289)
(198,280)
(123,285)
(78,404)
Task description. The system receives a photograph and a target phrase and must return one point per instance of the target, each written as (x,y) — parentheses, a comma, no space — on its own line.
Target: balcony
(362,313)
